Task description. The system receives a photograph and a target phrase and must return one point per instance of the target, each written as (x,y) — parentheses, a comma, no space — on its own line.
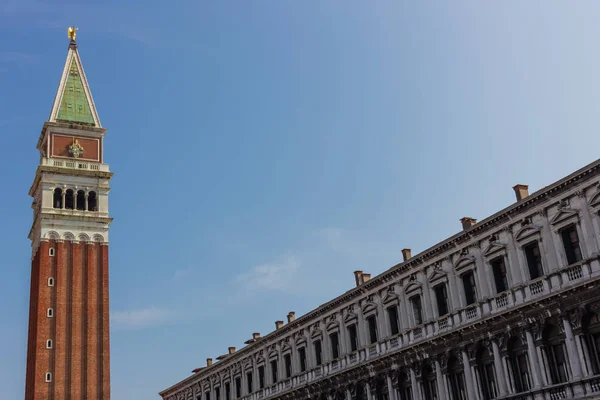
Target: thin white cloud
(141,318)
(181,274)
(273,276)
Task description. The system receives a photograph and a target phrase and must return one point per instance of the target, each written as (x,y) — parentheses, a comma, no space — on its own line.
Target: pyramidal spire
(73,101)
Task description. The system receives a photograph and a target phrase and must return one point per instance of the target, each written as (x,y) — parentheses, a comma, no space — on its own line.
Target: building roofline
(536,197)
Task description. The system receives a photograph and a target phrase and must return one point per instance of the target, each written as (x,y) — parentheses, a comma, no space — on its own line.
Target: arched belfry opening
(57,199)
(69,200)
(81,200)
(92,201)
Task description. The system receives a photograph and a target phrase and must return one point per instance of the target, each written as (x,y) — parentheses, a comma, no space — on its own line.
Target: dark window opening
(554,348)
(591,337)
(404,386)
(238,388)
(302,356)
(441,296)
(393,318)
(534,260)
(69,199)
(518,364)
(571,244)
(353,337)
(217,393)
(227,391)
(288,365)
(499,270)
(468,279)
(80,200)
(456,379)
(261,377)
(372,321)
(335,345)
(92,202)
(274,371)
(429,383)
(57,200)
(207,395)
(485,367)
(318,352)
(249,382)
(417,309)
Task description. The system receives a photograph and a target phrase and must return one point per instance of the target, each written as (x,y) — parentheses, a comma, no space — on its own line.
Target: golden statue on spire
(72,32)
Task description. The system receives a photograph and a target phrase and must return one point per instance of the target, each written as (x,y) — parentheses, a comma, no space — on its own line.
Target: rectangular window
(441,296)
(318,353)
(274,371)
(468,279)
(534,260)
(393,318)
(261,377)
(417,309)
(238,388)
(353,337)
(217,393)
(499,270)
(227,391)
(302,356)
(372,322)
(207,395)
(335,345)
(288,365)
(249,382)
(571,243)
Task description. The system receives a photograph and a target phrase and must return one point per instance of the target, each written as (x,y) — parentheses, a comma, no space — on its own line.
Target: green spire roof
(73,102)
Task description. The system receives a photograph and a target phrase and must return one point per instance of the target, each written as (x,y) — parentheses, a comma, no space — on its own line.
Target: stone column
(574,358)
(516,269)
(348,394)
(534,362)
(441,388)
(74,199)
(587,227)
(368,390)
(499,369)
(471,392)
(391,389)
(414,385)
(86,207)
(64,198)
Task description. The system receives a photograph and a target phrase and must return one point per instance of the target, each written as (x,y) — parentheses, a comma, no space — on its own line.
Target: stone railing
(75,164)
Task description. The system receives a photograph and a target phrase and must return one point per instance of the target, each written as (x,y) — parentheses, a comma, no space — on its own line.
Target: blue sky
(264,150)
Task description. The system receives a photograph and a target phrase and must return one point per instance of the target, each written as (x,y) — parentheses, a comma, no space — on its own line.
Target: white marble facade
(509,308)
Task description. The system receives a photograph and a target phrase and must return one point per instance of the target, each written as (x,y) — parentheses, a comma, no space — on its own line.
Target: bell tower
(68,355)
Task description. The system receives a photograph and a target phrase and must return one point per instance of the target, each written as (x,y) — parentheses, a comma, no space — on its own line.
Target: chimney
(291,316)
(406,254)
(467,222)
(208,362)
(231,350)
(521,191)
(278,325)
(358,277)
(366,277)
(256,336)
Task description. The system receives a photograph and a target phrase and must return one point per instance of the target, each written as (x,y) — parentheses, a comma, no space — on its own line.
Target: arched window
(456,378)
(92,201)
(69,199)
(553,345)
(591,336)
(485,369)
(57,199)
(81,200)
(429,382)
(404,386)
(519,364)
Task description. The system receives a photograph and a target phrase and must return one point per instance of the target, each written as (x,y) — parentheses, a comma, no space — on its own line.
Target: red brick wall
(79,360)
(59,147)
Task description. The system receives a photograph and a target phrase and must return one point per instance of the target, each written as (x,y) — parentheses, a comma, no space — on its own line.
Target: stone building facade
(509,308)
